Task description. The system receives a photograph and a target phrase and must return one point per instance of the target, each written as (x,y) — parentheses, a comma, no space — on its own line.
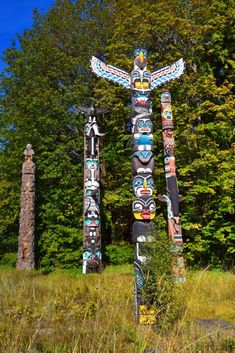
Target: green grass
(67,312)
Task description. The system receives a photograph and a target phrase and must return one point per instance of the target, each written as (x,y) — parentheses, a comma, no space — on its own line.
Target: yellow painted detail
(147,316)
(141,85)
(141,56)
(147,320)
(145,85)
(138,85)
(144,310)
(145,184)
(152,215)
(137,215)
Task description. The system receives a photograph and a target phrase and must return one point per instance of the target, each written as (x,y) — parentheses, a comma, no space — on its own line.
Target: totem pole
(26,228)
(141,82)
(172,196)
(92,260)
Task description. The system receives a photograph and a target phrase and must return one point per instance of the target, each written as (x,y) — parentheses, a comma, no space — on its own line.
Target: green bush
(120,253)
(61,247)
(160,287)
(9,259)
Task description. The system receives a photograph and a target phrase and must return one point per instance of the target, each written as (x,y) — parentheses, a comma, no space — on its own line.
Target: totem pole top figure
(28,165)
(157,78)
(28,152)
(92,111)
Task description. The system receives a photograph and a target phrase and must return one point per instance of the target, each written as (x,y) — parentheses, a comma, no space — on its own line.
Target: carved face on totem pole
(92,188)
(165,97)
(142,162)
(140,58)
(169,143)
(143,185)
(143,126)
(167,120)
(144,208)
(91,212)
(91,169)
(143,129)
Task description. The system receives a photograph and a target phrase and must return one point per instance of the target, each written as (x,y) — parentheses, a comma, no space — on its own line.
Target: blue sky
(15,16)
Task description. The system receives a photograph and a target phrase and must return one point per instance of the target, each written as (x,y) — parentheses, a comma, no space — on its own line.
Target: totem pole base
(147,315)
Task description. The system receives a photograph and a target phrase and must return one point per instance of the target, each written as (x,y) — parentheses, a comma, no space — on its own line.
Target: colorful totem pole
(92,260)
(25,259)
(141,82)
(172,196)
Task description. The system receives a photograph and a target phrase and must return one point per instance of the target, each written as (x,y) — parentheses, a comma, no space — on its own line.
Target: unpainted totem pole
(92,259)
(26,259)
(141,82)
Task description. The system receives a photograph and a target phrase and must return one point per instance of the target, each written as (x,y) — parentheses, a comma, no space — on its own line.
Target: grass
(67,312)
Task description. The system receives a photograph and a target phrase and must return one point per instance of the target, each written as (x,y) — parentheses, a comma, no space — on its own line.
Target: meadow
(67,312)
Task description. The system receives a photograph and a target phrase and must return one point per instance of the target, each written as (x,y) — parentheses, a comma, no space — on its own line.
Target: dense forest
(49,75)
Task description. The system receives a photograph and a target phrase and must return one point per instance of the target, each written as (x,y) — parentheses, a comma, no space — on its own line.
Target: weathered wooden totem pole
(92,259)
(141,82)
(26,227)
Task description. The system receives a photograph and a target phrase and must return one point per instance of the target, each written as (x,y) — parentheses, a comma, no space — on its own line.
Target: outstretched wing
(110,72)
(84,110)
(167,73)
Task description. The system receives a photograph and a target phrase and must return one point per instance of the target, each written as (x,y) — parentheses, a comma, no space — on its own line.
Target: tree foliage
(50,73)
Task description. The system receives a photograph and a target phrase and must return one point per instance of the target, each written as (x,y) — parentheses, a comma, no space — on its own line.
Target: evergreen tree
(50,74)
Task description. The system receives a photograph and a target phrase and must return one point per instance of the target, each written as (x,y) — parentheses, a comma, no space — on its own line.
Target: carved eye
(138,182)
(138,206)
(137,84)
(140,123)
(150,182)
(149,124)
(152,207)
(145,85)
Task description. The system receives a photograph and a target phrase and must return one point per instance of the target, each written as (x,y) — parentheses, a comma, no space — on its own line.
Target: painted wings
(167,73)
(110,73)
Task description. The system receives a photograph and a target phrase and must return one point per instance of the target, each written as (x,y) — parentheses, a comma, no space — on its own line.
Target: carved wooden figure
(26,258)
(141,82)
(92,257)
(172,196)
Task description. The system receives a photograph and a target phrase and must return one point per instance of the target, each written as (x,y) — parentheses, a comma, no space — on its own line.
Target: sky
(15,16)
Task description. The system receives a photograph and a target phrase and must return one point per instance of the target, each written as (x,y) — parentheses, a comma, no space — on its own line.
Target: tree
(46,77)
(50,73)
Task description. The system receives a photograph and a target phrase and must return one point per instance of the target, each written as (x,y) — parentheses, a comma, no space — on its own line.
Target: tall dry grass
(67,312)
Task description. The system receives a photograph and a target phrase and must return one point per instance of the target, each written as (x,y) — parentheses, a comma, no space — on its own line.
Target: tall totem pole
(25,259)
(141,82)
(92,259)
(172,196)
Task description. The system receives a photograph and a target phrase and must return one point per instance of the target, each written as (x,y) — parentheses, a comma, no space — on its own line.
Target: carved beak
(141,57)
(145,184)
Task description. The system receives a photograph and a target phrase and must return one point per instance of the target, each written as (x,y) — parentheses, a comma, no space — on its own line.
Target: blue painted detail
(143,155)
(141,123)
(144,140)
(88,222)
(129,126)
(139,278)
(98,254)
(87,255)
(138,51)
(176,70)
(110,73)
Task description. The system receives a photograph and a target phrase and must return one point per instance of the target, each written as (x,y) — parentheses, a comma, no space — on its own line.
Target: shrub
(160,286)
(9,259)
(119,254)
